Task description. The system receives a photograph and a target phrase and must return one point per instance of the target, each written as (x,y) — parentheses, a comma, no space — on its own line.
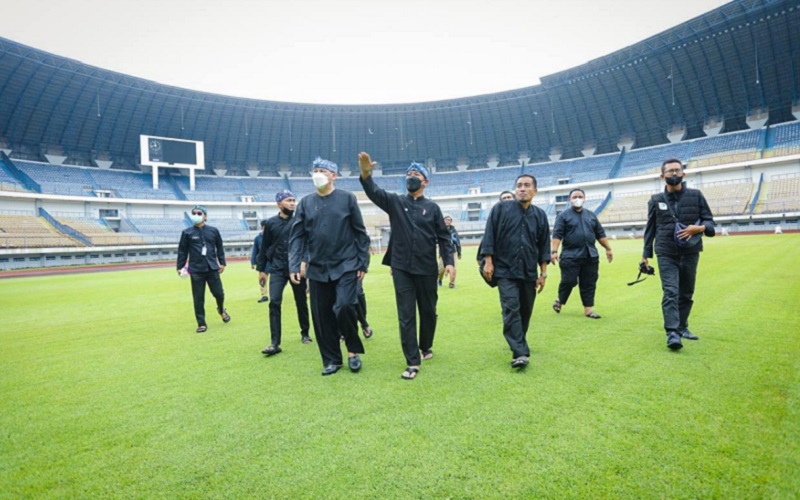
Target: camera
(643,269)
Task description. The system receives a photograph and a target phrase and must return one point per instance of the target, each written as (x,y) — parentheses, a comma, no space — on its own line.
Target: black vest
(686,206)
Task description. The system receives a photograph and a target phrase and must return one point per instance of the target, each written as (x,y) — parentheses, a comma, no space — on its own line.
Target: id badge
(204,251)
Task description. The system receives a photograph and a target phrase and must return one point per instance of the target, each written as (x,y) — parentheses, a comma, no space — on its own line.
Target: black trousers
(414,292)
(199,281)
(277,284)
(581,272)
(678,274)
(516,299)
(333,308)
(361,310)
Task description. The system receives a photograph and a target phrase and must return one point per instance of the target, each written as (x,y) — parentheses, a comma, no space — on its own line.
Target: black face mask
(673,180)
(413,184)
(287,212)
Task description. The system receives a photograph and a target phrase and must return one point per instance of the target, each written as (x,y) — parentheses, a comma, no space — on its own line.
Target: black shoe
(674,340)
(354,363)
(685,333)
(452,285)
(263,299)
(306,339)
(330,369)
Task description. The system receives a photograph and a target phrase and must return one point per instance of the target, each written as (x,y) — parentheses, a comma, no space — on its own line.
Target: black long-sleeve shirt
(578,232)
(417,227)
(331,230)
(274,251)
(455,240)
(193,240)
(518,239)
(256,248)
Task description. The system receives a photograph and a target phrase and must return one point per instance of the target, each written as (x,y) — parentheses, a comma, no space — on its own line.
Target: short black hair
(506,192)
(535,186)
(671,160)
(576,189)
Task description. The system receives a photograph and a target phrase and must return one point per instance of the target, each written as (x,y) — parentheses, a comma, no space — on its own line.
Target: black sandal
(201,329)
(368,332)
(225,317)
(427,355)
(557,306)
(271,350)
(520,362)
(592,315)
(410,373)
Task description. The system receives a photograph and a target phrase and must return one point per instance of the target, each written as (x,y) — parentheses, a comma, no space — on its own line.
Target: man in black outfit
(578,228)
(274,253)
(506,196)
(417,226)
(515,241)
(678,251)
(201,245)
(456,242)
(329,231)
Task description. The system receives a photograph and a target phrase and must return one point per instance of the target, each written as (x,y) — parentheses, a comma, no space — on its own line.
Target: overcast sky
(343,51)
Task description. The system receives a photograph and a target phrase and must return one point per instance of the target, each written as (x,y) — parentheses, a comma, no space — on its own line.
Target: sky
(341,51)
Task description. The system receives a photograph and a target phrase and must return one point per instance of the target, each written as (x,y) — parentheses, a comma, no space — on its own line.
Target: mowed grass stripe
(108,391)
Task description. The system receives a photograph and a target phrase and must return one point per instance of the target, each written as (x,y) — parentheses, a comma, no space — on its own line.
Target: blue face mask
(196,219)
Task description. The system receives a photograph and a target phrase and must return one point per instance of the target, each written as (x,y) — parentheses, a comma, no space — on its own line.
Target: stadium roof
(727,63)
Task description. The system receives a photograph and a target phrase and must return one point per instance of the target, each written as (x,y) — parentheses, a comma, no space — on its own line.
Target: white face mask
(577,202)
(320,180)
(196,219)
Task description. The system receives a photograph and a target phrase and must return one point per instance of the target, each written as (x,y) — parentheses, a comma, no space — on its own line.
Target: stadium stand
(29,231)
(627,208)
(135,185)
(591,169)
(725,148)
(730,197)
(7,181)
(779,195)
(783,140)
(99,233)
(212,188)
(54,179)
(158,225)
(546,173)
(648,160)
(496,180)
(265,188)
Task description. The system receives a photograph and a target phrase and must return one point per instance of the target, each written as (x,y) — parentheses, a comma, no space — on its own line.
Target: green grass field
(108,392)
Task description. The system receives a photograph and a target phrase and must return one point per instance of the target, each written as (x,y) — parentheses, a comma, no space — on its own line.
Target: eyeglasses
(197,213)
(673,171)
